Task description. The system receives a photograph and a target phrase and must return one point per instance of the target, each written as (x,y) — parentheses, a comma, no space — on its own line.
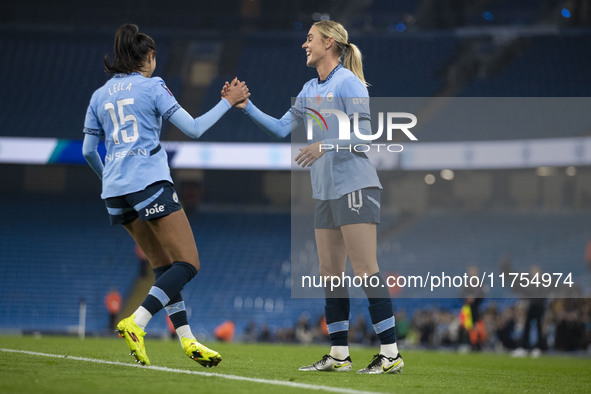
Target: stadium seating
(57,252)
(532,75)
(61,70)
(52,77)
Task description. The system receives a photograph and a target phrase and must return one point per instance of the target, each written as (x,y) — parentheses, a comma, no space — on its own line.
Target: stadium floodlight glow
(447,174)
(571,171)
(429,179)
(545,171)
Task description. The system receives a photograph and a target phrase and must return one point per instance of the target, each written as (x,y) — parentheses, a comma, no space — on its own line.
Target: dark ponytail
(130,50)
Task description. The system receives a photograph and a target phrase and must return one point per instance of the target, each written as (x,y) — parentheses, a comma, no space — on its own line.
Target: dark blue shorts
(155,201)
(360,206)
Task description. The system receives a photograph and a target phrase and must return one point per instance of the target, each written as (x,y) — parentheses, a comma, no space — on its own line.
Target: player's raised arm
(236,92)
(278,128)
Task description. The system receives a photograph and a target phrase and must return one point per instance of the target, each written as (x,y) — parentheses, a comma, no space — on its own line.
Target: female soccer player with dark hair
(346,189)
(127,112)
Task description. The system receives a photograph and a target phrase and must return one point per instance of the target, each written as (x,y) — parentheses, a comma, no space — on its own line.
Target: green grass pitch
(264,365)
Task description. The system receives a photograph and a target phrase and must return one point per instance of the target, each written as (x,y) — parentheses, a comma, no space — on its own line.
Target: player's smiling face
(315,47)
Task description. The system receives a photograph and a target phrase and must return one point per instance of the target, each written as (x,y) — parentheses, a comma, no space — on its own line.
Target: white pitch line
(190,372)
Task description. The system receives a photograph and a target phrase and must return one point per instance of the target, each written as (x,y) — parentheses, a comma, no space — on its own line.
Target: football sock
(380,311)
(158,271)
(142,317)
(390,350)
(176,309)
(168,286)
(184,332)
(337,316)
(339,353)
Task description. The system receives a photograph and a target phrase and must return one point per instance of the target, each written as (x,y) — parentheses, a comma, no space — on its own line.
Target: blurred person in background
(473,330)
(113,303)
(534,318)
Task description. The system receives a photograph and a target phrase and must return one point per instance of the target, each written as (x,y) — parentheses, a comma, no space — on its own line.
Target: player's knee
(195,263)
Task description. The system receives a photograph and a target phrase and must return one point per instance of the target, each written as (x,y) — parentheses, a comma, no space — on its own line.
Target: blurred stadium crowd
(564,327)
(53,237)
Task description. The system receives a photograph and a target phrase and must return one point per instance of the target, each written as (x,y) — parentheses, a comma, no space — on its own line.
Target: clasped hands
(237,94)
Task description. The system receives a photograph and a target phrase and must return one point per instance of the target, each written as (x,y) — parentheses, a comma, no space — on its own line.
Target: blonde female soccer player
(127,111)
(346,189)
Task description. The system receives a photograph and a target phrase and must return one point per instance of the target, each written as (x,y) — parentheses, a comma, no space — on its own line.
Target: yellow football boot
(134,336)
(200,353)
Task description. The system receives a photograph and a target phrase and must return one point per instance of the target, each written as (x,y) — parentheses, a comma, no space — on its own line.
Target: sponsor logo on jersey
(361,100)
(318,99)
(156,208)
(126,153)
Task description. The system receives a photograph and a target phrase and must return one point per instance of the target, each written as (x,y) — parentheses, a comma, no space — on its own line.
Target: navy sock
(176,306)
(380,310)
(158,271)
(168,285)
(337,310)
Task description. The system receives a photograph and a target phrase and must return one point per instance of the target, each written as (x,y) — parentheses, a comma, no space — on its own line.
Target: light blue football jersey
(128,111)
(336,173)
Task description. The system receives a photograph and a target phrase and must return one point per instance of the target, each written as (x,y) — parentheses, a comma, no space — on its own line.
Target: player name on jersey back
(117,87)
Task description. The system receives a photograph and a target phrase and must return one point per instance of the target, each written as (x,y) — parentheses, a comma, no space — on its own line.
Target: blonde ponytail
(350,53)
(353,61)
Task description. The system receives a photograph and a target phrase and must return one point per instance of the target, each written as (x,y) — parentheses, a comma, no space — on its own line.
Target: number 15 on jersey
(123,119)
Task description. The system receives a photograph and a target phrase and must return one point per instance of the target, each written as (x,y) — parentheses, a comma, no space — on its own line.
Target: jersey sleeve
(297,109)
(194,128)
(92,124)
(279,128)
(355,98)
(164,100)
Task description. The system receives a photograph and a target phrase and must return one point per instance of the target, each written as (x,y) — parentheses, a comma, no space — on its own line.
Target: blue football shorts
(155,201)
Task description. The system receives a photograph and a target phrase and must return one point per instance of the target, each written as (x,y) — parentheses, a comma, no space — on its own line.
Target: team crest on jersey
(329,96)
(166,88)
(318,99)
